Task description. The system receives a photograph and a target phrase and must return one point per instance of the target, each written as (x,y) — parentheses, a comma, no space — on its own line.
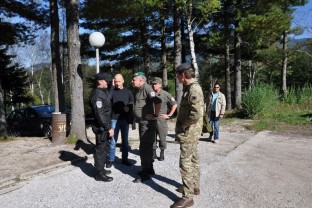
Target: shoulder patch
(152,94)
(99,104)
(194,98)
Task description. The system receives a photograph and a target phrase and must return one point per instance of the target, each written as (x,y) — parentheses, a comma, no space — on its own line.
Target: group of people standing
(113,110)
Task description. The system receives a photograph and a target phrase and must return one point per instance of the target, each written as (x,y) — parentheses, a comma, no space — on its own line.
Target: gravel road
(244,170)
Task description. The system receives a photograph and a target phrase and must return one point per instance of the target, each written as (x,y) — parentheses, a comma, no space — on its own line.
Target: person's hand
(184,127)
(126,109)
(150,117)
(111,133)
(221,115)
(164,116)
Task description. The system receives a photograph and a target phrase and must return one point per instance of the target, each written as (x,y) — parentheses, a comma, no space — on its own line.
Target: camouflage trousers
(189,168)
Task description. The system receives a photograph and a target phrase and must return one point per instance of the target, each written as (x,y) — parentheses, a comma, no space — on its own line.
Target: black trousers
(100,154)
(147,130)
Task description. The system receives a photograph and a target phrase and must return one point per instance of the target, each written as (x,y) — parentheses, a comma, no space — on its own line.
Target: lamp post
(97,40)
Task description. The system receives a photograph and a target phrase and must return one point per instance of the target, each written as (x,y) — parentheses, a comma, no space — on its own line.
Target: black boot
(154,155)
(144,176)
(162,155)
(150,171)
(107,172)
(101,176)
(109,164)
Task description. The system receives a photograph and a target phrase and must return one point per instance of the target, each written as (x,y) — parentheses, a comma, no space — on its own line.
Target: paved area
(245,169)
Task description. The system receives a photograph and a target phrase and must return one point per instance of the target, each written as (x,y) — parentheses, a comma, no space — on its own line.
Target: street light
(97,40)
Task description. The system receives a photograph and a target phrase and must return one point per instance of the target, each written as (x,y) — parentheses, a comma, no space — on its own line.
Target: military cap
(183,67)
(156,80)
(103,76)
(138,74)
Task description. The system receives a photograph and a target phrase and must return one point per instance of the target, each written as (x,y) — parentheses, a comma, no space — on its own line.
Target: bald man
(122,102)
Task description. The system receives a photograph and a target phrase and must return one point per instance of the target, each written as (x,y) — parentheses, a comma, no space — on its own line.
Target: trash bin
(58,128)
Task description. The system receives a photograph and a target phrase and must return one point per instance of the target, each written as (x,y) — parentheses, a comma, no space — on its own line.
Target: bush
(305,96)
(258,99)
(292,97)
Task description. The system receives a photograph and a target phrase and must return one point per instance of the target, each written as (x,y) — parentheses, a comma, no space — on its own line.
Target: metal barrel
(58,128)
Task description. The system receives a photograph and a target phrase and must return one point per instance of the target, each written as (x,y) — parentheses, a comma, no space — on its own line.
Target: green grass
(284,116)
(72,140)
(7,139)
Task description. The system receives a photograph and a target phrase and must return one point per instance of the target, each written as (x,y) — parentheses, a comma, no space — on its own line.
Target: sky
(303,17)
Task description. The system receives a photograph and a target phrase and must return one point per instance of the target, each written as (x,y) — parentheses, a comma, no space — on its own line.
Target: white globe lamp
(97,40)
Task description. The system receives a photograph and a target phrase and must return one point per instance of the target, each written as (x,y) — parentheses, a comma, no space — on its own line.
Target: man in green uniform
(162,125)
(188,130)
(146,110)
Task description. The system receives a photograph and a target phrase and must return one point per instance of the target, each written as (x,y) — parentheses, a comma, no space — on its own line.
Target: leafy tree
(14,80)
(14,32)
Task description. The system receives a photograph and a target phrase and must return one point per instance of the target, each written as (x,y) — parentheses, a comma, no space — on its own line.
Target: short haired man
(216,109)
(101,107)
(188,130)
(162,125)
(146,110)
(122,100)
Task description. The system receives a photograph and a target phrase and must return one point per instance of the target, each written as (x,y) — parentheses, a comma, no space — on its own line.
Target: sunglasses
(216,87)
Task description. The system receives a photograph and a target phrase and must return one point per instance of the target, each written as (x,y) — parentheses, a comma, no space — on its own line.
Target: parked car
(32,121)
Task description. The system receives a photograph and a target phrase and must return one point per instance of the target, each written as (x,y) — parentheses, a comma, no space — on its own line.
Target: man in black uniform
(101,107)
(146,110)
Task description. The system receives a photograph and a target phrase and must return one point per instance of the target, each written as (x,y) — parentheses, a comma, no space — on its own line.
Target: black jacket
(102,109)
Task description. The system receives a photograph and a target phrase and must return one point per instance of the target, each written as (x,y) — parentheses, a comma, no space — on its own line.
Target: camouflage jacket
(190,113)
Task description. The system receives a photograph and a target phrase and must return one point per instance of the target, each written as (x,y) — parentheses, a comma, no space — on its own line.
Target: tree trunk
(78,128)
(227,56)
(3,126)
(145,49)
(56,58)
(164,53)
(228,76)
(177,51)
(237,63)
(183,40)
(191,38)
(284,68)
(252,74)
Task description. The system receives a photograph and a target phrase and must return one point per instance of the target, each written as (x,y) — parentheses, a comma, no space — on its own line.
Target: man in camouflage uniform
(146,110)
(188,130)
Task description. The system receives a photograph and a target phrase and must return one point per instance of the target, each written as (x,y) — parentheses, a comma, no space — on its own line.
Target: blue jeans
(123,126)
(215,123)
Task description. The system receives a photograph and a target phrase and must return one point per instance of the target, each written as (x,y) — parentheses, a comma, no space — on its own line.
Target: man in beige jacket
(216,109)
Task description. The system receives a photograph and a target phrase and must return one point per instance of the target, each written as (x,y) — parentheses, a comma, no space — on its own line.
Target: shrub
(305,96)
(292,97)
(258,99)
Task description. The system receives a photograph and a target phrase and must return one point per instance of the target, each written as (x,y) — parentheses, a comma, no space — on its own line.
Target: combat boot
(154,155)
(183,203)
(100,176)
(162,155)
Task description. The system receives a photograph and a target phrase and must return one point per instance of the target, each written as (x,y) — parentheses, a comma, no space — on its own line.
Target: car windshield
(45,110)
